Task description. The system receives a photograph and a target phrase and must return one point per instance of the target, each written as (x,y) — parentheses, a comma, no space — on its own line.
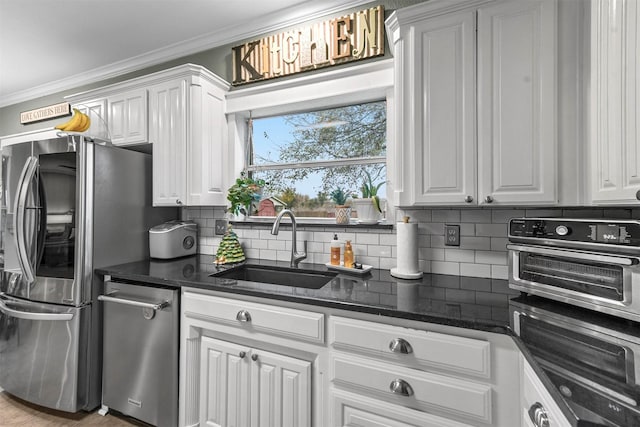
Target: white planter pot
(366,210)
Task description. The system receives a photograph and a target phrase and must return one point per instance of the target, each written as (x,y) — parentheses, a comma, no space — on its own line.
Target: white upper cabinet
(615,101)
(467,137)
(187,127)
(128,121)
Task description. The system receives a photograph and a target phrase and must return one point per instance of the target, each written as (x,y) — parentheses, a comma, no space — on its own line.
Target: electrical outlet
(451,235)
(220,227)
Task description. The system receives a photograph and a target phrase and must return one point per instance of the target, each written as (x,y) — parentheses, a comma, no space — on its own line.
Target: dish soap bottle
(348,255)
(336,246)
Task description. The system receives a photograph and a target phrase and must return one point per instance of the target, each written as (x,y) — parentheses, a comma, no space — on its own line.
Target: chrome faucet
(295,256)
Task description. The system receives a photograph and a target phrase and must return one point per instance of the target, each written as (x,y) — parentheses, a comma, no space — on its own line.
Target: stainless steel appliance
(594,264)
(173,239)
(593,360)
(140,363)
(69,204)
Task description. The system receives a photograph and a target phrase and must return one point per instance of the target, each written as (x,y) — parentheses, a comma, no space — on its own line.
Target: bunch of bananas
(78,123)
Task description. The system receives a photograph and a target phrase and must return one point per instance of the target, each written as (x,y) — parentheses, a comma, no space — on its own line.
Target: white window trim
(357,84)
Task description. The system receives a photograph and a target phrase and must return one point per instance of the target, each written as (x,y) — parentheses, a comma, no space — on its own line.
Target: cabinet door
(224,384)
(128,117)
(534,395)
(280,390)
(207,155)
(516,102)
(615,99)
(167,109)
(96,110)
(440,89)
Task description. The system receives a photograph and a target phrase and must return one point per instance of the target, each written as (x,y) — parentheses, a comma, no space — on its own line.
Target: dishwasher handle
(150,305)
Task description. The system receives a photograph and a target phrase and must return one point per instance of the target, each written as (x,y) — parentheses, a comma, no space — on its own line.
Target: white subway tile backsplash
(482,251)
(475,216)
(459,255)
(491,257)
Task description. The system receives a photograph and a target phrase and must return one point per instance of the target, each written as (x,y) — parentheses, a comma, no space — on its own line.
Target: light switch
(220,227)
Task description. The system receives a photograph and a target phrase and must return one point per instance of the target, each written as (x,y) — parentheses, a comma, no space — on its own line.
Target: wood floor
(16,412)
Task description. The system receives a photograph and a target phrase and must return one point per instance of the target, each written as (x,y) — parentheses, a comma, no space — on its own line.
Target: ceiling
(48,46)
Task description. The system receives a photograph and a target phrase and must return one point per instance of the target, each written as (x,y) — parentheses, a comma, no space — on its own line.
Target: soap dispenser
(336,246)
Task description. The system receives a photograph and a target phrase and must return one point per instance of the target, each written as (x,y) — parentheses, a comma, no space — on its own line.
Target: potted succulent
(368,207)
(244,193)
(343,212)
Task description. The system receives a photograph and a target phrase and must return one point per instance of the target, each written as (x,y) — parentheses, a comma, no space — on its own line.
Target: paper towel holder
(395,272)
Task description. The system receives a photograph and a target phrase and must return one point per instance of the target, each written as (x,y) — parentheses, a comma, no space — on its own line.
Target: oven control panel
(595,231)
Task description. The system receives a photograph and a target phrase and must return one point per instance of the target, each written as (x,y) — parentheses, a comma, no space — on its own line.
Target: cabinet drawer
(256,317)
(421,348)
(353,410)
(422,390)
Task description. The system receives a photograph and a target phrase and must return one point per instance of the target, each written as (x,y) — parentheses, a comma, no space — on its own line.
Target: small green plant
(339,197)
(243,193)
(370,191)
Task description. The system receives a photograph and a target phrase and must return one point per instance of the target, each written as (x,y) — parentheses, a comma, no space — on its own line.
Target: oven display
(576,232)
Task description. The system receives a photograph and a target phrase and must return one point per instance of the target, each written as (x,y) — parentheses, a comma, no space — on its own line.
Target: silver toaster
(173,239)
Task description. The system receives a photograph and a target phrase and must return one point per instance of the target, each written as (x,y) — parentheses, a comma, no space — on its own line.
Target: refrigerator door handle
(150,305)
(28,172)
(29,315)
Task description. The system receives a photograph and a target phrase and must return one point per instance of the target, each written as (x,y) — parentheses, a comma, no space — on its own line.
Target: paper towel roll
(408,266)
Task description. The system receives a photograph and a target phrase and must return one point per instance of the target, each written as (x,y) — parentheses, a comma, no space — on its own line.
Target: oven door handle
(578,255)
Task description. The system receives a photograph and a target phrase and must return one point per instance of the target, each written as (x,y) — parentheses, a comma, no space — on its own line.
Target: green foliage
(339,196)
(369,189)
(245,191)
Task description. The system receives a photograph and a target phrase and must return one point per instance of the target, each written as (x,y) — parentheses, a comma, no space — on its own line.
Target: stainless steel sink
(297,277)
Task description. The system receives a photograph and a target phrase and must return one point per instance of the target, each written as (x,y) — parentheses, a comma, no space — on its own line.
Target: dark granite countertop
(466,302)
(475,303)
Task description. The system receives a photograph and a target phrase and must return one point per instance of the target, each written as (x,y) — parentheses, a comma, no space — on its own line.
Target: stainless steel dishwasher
(140,352)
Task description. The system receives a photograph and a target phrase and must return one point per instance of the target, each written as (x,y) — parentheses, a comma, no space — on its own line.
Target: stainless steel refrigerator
(69,205)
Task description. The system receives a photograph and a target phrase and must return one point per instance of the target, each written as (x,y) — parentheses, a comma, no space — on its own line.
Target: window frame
(372,81)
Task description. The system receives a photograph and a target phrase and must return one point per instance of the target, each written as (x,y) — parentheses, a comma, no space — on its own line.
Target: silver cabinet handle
(254,357)
(243,316)
(242,354)
(488,199)
(401,387)
(401,346)
(178,202)
(468,199)
(538,415)
(150,305)
(638,194)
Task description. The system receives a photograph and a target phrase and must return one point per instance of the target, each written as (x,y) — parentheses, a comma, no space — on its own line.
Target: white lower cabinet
(537,406)
(255,362)
(243,386)
(355,410)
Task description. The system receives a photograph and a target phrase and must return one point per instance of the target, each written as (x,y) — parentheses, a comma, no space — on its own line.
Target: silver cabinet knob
(242,354)
(243,316)
(401,346)
(468,199)
(488,199)
(254,357)
(401,387)
(538,415)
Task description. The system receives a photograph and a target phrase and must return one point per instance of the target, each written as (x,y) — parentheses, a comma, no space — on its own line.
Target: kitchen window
(305,156)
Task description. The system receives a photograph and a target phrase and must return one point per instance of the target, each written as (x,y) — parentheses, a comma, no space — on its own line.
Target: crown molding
(305,12)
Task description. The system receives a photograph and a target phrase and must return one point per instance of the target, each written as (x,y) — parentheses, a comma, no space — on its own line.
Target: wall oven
(593,264)
(593,360)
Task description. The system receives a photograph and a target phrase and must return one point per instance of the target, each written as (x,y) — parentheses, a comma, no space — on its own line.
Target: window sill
(314,224)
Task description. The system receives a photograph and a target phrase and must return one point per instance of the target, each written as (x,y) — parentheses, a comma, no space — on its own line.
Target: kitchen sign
(348,38)
(45,113)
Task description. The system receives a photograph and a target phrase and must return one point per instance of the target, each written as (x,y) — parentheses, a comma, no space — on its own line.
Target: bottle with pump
(336,246)
(348,255)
